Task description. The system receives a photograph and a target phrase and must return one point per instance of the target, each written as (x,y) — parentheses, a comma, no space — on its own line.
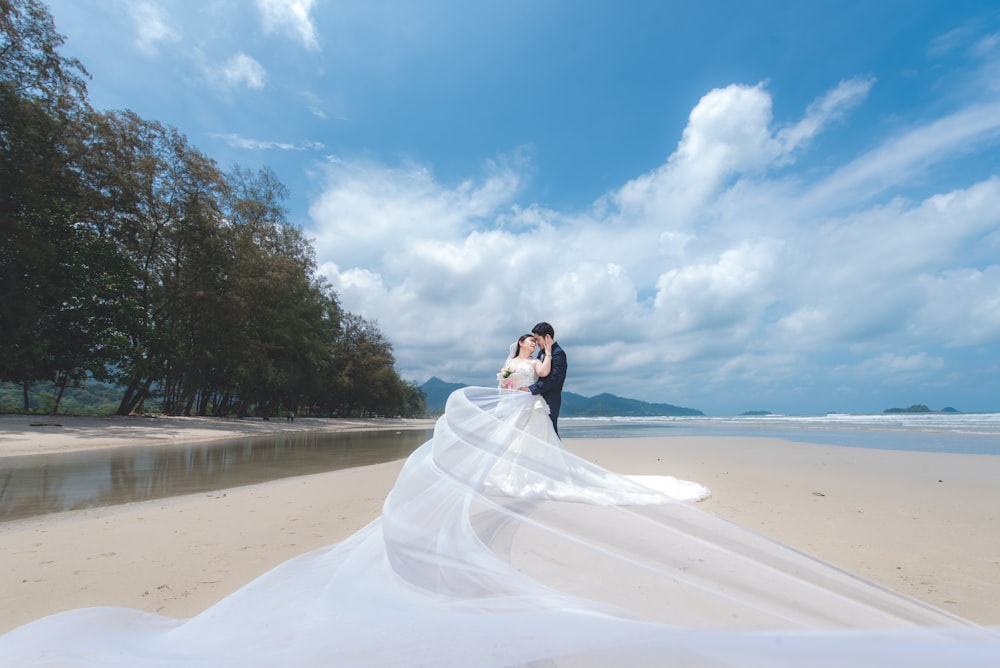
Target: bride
(498,547)
(563,478)
(522,368)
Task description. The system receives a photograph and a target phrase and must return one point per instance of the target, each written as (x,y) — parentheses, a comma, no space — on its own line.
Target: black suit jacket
(550,387)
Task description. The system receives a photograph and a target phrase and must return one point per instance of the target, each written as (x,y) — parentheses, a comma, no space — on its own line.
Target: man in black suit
(550,387)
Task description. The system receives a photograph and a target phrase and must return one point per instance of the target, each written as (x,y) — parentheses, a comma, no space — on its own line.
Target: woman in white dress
(536,465)
(522,367)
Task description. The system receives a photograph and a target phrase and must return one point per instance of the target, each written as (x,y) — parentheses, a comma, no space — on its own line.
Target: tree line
(128,256)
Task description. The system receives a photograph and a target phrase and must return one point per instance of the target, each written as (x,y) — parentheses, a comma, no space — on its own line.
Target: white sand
(924,524)
(920,523)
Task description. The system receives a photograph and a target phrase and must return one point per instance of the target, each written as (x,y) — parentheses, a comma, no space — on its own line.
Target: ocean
(963,433)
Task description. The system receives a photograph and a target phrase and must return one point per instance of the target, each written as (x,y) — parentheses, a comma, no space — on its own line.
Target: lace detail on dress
(522,374)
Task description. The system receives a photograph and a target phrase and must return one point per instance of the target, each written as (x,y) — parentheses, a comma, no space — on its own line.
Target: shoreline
(922,524)
(34,434)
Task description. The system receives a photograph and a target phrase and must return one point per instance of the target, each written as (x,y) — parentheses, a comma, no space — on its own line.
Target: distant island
(756,413)
(437,392)
(919,408)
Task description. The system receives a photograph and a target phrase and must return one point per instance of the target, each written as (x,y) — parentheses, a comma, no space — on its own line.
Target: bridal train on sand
(497,547)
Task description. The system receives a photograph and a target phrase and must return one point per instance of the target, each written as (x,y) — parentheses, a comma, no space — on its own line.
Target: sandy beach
(923,524)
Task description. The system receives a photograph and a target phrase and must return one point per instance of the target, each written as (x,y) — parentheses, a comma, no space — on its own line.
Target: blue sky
(730,206)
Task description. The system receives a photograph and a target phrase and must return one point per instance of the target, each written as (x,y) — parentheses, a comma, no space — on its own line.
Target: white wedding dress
(516,473)
(496,548)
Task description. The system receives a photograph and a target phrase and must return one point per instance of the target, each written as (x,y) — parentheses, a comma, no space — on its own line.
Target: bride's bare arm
(543,369)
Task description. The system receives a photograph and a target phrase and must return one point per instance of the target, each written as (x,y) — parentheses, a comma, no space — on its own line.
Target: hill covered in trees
(437,391)
(129,257)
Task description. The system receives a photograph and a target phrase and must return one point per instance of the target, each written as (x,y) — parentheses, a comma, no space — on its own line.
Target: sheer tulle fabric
(497,547)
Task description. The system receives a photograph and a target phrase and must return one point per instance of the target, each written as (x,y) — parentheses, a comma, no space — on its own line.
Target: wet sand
(36,434)
(923,524)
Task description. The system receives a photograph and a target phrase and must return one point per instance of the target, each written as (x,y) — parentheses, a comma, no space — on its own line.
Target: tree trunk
(63,380)
(222,407)
(125,406)
(203,401)
(134,397)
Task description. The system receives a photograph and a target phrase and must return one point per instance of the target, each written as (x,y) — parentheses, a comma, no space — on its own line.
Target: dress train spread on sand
(497,547)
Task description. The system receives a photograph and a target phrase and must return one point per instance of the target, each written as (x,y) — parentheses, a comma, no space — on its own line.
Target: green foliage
(56,277)
(128,256)
(361,378)
(30,65)
(88,398)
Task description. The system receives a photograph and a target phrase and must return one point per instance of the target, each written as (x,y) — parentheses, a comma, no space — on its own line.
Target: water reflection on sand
(33,485)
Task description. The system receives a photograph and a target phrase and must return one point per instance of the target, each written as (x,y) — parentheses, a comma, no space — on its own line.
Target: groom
(551,386)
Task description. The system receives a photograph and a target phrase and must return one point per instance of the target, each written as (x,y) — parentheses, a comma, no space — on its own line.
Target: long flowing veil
(496,547)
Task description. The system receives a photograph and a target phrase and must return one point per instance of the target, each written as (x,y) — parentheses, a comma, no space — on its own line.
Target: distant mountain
(606,405)
(437,392)
(574,405)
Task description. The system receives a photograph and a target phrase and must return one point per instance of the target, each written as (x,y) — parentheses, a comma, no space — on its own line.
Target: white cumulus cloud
(152,27)
(716,267)
(241,70)
(291,17)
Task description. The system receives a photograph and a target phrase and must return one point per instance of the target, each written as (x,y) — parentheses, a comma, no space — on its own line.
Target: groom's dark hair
(543,329)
